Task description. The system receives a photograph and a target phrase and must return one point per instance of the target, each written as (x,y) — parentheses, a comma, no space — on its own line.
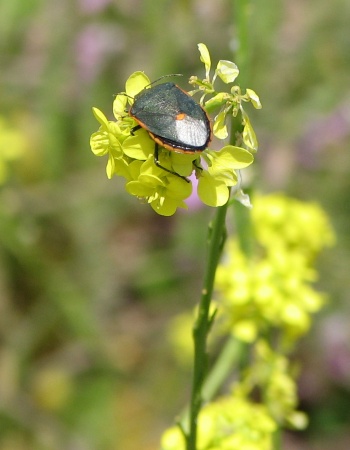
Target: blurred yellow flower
(12,145)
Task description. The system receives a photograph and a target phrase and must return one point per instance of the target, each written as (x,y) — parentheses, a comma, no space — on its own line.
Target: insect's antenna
(125,95)
(165,76)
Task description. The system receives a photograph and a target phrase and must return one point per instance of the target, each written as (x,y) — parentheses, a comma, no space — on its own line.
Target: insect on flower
(173,120)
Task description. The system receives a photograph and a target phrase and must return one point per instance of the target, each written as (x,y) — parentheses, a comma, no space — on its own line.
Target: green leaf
(227,71)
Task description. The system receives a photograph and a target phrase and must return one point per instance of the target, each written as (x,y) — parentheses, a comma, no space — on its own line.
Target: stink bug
(173,120)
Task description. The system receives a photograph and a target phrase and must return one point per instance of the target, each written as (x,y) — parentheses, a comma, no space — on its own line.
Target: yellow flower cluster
(231,423)
(270,374)
(272,289)
(236,421)
(262,296)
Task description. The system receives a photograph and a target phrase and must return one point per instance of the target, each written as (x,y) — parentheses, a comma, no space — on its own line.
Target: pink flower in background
(93,6)
(193,200)
(94,45)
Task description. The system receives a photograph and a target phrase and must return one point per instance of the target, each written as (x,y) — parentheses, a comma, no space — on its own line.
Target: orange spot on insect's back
(180,116)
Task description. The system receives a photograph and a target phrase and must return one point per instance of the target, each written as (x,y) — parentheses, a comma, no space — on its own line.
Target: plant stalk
(217,237)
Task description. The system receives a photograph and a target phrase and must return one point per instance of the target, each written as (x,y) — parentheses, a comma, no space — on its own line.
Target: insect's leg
(135,128)
(157,163)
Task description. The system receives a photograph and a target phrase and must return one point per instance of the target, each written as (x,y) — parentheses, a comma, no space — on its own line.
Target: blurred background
(89,277)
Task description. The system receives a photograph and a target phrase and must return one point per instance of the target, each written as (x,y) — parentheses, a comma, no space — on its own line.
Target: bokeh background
(90,278)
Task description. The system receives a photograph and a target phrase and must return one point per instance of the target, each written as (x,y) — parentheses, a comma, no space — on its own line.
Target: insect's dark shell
(172,118)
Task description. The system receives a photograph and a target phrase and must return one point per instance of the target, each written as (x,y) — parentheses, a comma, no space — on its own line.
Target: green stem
(216,241)
(229,357)
(217,236)
(242,10)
